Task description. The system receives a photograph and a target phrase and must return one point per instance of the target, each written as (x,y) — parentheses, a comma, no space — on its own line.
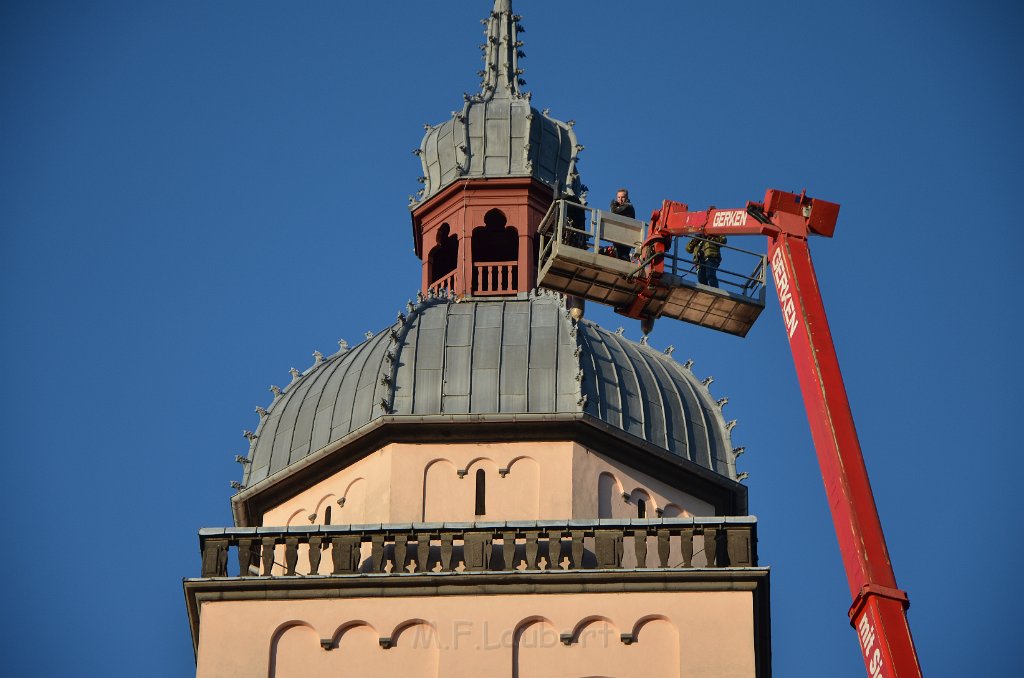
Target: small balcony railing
(432,548)
(495,277)
(446,283)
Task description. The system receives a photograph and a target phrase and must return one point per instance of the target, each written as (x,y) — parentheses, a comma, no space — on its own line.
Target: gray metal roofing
(497,133)
(511,356)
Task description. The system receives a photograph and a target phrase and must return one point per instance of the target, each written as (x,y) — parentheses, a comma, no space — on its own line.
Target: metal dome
(494,357)
(497,133)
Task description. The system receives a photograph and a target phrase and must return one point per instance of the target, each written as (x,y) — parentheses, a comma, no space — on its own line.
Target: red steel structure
(878,612)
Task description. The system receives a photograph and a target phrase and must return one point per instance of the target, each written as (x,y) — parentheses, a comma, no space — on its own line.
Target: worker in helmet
(622,206)
(707,255)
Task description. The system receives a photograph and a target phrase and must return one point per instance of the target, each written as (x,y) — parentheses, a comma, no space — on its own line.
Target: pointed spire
(501,53)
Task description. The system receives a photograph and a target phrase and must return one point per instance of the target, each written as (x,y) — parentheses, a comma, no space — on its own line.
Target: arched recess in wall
(673,511)
(356,651)
(445,496)
(295,652)
(298,517)
(415,650)
(444,255)
(641,504)
(534,644)
(691,506)
(327,510)
(658,639)
(495,253)
(518,493)
(609,495)
(600,652)
(588,628)
(350,508)
(348,625)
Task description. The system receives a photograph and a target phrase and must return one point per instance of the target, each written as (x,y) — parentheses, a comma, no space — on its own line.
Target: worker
(623,207)
(575,218)
(707,255)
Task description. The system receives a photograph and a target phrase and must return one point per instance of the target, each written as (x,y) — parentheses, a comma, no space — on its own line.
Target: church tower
(489,486)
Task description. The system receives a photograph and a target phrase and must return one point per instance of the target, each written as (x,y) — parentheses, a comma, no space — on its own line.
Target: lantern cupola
(489,174)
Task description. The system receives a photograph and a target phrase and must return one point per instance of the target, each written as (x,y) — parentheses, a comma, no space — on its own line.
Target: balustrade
(426,548)
(447,283)
(495,277)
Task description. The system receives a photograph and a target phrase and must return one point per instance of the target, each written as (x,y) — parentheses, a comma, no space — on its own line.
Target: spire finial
(501,53)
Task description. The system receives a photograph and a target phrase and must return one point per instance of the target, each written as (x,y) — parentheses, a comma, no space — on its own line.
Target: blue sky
(194,196)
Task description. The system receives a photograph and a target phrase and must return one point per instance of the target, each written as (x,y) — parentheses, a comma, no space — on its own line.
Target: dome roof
(501,357)
(498,133)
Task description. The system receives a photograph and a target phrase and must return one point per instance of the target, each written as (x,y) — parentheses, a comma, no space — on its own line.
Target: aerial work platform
(578,257)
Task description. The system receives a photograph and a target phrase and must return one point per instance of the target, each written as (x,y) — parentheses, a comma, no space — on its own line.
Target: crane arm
(878,613)
(780,212)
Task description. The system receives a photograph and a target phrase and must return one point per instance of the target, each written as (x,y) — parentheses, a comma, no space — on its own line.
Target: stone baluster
(711,545)
(554,549)
(315,543)
(721,546)
(401,551)
(423,552)
(377,552)
(246,553)
(291,555)
(268,555)
(664,547)
(508,550)
(577,548)
(531,549)
(640,547)
(686,546)
(446,551)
